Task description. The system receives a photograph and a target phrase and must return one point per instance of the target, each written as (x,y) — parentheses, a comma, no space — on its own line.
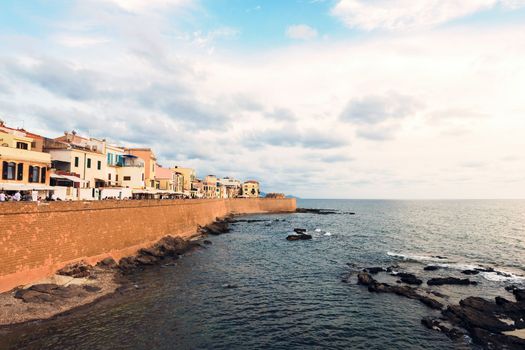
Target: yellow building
(210,186)
(250,188)
(147,155)
(164,178)
(21,167)
(188,176)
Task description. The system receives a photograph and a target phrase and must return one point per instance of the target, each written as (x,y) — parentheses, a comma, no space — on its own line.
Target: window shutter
(43,175)
(20,172)
(4,170)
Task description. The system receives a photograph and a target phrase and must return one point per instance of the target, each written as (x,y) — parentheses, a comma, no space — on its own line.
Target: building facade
(188,176)
(73,155)
(231,187)
(150,160)
(251,188)
(22,167)
(210,186)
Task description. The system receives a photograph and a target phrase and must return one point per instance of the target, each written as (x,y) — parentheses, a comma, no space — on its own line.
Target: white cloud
(77,41)
(141,5)
(418,104)
(410,14)
(301,32)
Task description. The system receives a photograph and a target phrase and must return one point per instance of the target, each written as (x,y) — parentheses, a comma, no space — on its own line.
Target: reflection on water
(289,295)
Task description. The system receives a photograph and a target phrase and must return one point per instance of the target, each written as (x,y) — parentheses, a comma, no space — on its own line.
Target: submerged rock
(374,270)
(364,278)
(450,280)
(431,268)
(470,272)
(299,230)
(316,211)
(409,278)
(438,325)
(300,237)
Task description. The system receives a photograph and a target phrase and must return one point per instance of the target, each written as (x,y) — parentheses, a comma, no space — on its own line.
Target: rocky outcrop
(77,270)
(439,281)
(48,293)
(216,228)
(167,247)
(316,211)
(485,321)
(364,278)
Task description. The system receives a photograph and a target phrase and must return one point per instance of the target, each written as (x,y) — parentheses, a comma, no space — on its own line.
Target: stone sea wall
(36,240)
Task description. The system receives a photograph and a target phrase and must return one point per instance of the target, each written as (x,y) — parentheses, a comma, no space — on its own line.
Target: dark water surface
(289,295)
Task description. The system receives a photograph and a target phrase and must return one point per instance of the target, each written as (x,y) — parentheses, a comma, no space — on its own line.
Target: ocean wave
(496,275)
(417,258)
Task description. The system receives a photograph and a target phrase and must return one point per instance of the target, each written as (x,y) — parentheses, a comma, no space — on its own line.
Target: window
(142,176)
(34,173)
(89,162)
(8,170)
(76,162)
(109,177)
(109,158)
(21,145)
(116,177)
(99,165)
(127,178)
(20,172)
(43,175)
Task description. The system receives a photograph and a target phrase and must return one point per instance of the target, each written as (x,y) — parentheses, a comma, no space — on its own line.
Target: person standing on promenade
(16,197)
(2,197)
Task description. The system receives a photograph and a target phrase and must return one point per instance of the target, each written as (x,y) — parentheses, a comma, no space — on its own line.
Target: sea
(253,289)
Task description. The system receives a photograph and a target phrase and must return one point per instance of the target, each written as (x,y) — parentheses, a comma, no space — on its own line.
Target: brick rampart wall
(36,240)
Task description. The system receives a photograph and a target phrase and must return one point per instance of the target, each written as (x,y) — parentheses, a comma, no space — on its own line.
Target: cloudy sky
(317,98)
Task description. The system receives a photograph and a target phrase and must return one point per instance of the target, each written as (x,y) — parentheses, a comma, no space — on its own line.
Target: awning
(67,177)
(25,187)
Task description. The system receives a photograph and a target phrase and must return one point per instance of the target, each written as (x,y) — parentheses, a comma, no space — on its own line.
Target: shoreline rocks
(316,211)
(497,324)
(364,278)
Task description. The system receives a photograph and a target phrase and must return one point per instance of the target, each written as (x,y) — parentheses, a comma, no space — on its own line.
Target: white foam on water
(493,276)
(327,234)
(497,275)
(318,230)
(414,257)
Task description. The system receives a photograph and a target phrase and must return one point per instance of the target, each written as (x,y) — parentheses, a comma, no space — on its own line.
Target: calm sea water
(289,295)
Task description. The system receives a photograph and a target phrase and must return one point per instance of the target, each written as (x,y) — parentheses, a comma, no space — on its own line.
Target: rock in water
(365,279)
(431,268)
(409,278)
(450,280)
(299,230)
(300,237)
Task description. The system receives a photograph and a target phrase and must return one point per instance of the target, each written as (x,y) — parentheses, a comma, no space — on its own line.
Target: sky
(315,98)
